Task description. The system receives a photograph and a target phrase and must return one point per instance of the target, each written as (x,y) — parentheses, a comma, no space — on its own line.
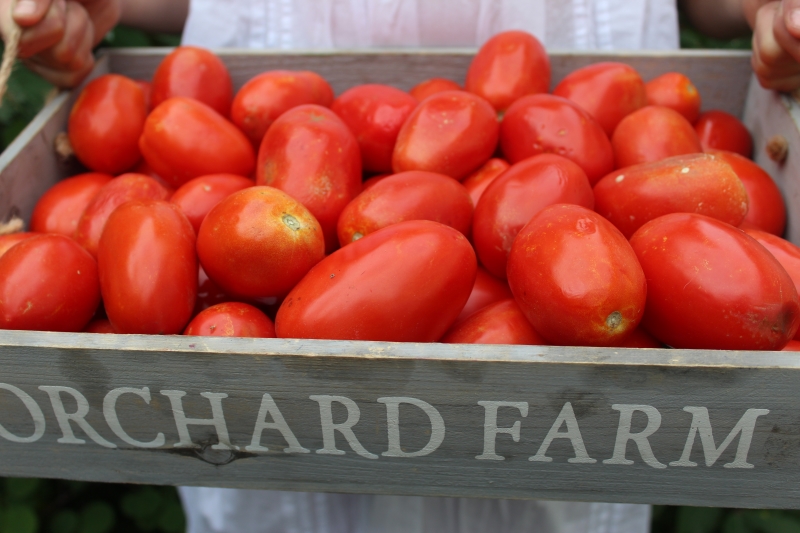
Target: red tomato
(148,268)
(61,206)
(696,183)
(147,89)
(639,338)
(432,86)
(718,130)
(195,73)
(510,65)
(7,241)
(353,294)
(369,183)
(414,195)
(607,91)
(48,283)
(518,194)
(498,323)
(792,346)
(105,124)
(576,278)
(267,96)
(653,133)
(452,133)
(184,139)
(99,325)
(257,243)
(487,289)
(675,91)
(375,113)
(311,155)
(711,286)
(477,182)
(198,196)
(208,293)
(543,123)
(232,319)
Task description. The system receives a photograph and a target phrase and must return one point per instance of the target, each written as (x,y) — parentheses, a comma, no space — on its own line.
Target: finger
(750,9)
(104,14)
(769,57)
(58,77)
(48,32)
(74,51)
(29,12)
(790,17)
(782,33)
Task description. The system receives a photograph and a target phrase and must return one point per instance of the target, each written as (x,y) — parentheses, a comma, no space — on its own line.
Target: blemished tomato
(544,123)
(148,268)
(267,96)
(414,195)
(7,241)
(198,196)
(653,133)
(310,154)
(258,243)
(432,86)
(695,183)
(639,338)
(231,319)
(375,113)
(517,195)
(718,130)
(195,73)
(48,283)
(498,323)
(477,182)
(510,65)
(452,133)
(675,91)
(61,206)
(712,286)
(208,293)
(185,139)
(487,289)
(353,294)
(608,91)
(105,124)
(99,325)
(576,278)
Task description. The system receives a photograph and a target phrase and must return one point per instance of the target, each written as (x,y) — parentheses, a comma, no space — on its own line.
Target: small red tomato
(99,325)
(608,91)
(105,124)
(198,196)
(653,133)
(576,278)
(510,65)
(148,268)
(452,133)
(195,73)
(675,91)
(7,241)
(61,206)
(487,289)
(432,86)
(718,130)
(639,338)
(712,286)
(231,319)
(48,283)
(498,323)
(208,293)
(477,182)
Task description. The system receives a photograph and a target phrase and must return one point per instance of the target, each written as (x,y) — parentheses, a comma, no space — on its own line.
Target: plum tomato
(198,196)
(498,323)
(675,91)
(208,292)
(510,65)
(375,113)
(432,86)
(477,182)
(792,346)
(576,278)
(639,338)
(196,73)
(487,289)
(413,195)
(608,91)
(353,294)
(695,183)
(452,133)
(9,240)
(148,268)
(544,123)
(653,133)
(267,96)
(99,325)
(231,319)
(48,283)
(718,130)
(712,286)
(61,206)
(518,194)
(105,124)
(258,243)
(370,182)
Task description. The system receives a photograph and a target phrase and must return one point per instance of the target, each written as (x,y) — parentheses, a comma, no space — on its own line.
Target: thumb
(790,13)
(29,12)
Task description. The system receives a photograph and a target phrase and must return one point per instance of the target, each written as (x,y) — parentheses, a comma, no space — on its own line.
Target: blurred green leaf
(97,517)
(123,36)
(141,503)
(171,519)
(19,489)
(698,519)
(735,523)
(17,518)
(64,522)
(771,522)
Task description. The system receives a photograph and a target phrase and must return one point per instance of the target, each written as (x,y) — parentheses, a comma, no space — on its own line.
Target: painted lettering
(268,407)
(110,413)
(573,433)
(393,424)
(79,416)
(490,429)
(217,420)
(640,439)
(36,414)
(345,428)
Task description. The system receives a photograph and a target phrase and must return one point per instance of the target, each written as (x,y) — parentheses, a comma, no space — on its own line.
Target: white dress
(353,24)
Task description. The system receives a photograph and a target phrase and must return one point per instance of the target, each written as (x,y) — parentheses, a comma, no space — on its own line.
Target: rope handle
(12,36)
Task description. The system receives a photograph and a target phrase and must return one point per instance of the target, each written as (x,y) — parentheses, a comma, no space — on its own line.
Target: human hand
(776,42)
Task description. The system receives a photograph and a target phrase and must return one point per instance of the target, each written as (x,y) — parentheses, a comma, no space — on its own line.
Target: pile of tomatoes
(610,212)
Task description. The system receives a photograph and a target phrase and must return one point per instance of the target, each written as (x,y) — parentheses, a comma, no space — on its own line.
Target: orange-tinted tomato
(653,133)
(498,323)
(198,196)
(487,289)
(231,319)
(477,182)
(195,73)
(675,91)
(7,241)
(61,206)
(432,86)
(99,325)
(718,130)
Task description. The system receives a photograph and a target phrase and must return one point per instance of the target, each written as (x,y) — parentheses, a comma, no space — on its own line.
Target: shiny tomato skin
(231,319)
(148,268)
(198,196)
(267,96)
(545,123)
(653,133)
(61,206)
(477,182)
(608,91)
(487,289)
(432,86)
(375,113)
(695,183)
(196,73)
(48,283)
(105,124)
(517,195)
(576,278)
(498,323)
(712,286)
(718,130)
(184,139)
(99,325)
(451,132)
(510,65)
(676,91)
(413,195)
(792,346)
(7,241)
(353,294)
(310,154)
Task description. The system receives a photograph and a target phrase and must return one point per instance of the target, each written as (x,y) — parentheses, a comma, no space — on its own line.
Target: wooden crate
(690,427)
